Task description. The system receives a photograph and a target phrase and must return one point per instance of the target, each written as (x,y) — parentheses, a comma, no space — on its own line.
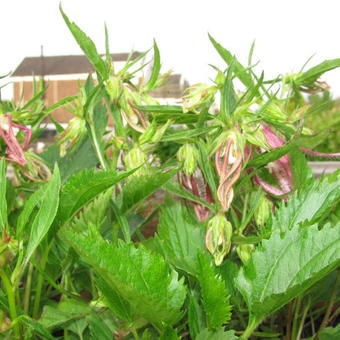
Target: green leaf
(29,206)
(93,213)
(58,104)
(145,280)
(183,135)
(36,326)
(300,169)
(181,238)
(215,297)
(87,45)
(46,214)
(155,69)
(228,94)
(160,108)
(3,202)
(271,156)
(81,157)
(270,279)
(175,188)
(239,70)
(207,334)
(83,187)
(139,188)
(316,72)
(169,334)
(330,333)
(195,316)
(311,203)
(98,328)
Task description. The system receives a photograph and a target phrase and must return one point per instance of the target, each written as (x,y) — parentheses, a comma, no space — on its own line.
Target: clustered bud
(197,96)
(244,252)
(188,156)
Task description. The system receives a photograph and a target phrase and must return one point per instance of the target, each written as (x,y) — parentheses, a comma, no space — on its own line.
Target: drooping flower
(14,151)
(228,160)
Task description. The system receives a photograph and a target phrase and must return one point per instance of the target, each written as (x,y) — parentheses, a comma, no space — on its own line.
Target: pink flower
(14,151)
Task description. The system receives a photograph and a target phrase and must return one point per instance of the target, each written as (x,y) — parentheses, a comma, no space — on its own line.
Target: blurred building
(63,74)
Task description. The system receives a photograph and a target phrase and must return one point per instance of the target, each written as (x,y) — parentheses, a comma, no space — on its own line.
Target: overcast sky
(287,32)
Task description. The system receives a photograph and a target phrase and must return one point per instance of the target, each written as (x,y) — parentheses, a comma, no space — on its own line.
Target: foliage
(200,220)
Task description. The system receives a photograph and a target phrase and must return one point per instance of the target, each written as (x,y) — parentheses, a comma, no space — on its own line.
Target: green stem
(40,282)
(304,314)
(135,334)
(11,301)
(330,304)
(28,288)
(296,317)
(252,325)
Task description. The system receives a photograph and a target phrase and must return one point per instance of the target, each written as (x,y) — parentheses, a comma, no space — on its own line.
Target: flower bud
(134,158)
(197,96)
(114,88)
(244,252)
(188,156)
(274,112)
(218,237)
(8,250)
(263,211)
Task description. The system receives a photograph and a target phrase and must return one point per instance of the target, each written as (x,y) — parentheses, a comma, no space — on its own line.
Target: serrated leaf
(240,71)
(156,67)
(214,294)
(316,72)
(83,187)
(311,203)
(207,334)
(182,239)
(195,316)
(3,201)
(93,213)
(139,188)
(46,214)
(87,45)
(270,279)
(145,280)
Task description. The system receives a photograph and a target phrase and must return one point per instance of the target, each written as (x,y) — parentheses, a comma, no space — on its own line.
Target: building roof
(65,64)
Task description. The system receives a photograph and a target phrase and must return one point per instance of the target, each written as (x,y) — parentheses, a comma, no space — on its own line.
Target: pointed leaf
(270,279)
(46,214)
(240,71)
(155,69)
(228,94)
(87,45)
(98,328)
(195,316)
(316,72)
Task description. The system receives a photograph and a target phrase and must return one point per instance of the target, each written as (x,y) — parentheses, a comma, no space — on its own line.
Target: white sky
(287,32)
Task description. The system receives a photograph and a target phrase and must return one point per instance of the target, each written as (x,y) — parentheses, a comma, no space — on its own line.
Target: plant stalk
(11,302)
(252,325)
(40,282)
(28,288)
